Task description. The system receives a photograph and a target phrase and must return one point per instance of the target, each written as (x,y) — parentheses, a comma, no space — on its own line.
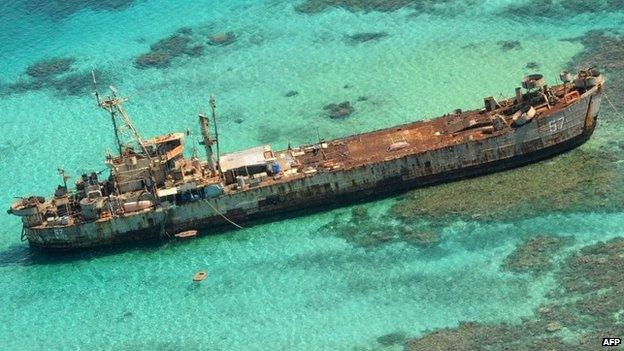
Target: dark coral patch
(535,255)
(340,110)
(165,51)
(587,180)
(396,338)
(362,230)
(588,308)
(222,39)
(558,9)
(79,83)
(153,60)
(55,74)
(72,84)
(532,65)
(604,50)
(50,67)
(59,9)
(368,36)
(594,268)
(316,6)
(507,45)
(175,45)
(421,238)
(185,31)
(195,51)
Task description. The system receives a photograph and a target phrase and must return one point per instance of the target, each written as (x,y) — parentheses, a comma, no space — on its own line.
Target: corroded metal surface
(411,155)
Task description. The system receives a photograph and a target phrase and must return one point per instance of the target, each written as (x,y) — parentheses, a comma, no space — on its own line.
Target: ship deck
(419,136)
(411,138)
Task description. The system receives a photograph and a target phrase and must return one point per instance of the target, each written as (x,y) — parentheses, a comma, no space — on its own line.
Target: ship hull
(559,132)
(388,187)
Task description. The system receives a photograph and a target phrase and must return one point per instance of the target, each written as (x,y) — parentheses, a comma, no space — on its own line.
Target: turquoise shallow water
(287,285)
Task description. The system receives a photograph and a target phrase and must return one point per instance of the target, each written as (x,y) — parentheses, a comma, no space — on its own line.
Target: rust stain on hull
(504,135)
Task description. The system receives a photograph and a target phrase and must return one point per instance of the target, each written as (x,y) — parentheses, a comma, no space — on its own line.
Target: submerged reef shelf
(363,230)
(580,180)
(535,254)
(587,307)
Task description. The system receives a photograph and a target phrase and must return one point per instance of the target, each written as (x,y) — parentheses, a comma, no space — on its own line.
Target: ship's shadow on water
(24,255)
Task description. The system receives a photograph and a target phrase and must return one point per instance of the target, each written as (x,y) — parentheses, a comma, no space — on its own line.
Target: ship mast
(204,123)
(213,108)
(114,105)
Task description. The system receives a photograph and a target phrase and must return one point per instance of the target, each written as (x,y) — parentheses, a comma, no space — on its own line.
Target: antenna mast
(64,176)
(213,108)
(114,105)
(204,124)
(108,107)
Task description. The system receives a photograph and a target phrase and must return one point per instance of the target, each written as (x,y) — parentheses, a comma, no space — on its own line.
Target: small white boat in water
(186,234)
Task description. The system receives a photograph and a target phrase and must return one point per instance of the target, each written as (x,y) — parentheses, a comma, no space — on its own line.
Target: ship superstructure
(153,190)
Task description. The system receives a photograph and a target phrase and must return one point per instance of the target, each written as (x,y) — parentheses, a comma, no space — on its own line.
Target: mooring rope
(222,215)
(613,106)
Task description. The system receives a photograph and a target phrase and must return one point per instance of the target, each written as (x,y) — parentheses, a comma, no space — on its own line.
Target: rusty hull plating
(153,190)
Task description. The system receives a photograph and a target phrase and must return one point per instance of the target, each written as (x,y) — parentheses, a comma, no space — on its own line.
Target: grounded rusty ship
(153,190)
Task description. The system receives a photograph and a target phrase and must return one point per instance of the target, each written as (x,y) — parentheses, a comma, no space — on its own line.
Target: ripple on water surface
(370,276)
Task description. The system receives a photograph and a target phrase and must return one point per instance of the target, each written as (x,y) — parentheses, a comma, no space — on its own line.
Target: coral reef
(421,238)
(558,9)
(588,302)
(588,309)
(163,52)
(341,110)
(532,65)
(60,9)
(362,230)
(368,36)
(579,180)
(507,45)
(604,50)
(222,39)
(316,6)
(55,74)
(535,255)
(153,60)
(396,338)
(466,337)
(50,67)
